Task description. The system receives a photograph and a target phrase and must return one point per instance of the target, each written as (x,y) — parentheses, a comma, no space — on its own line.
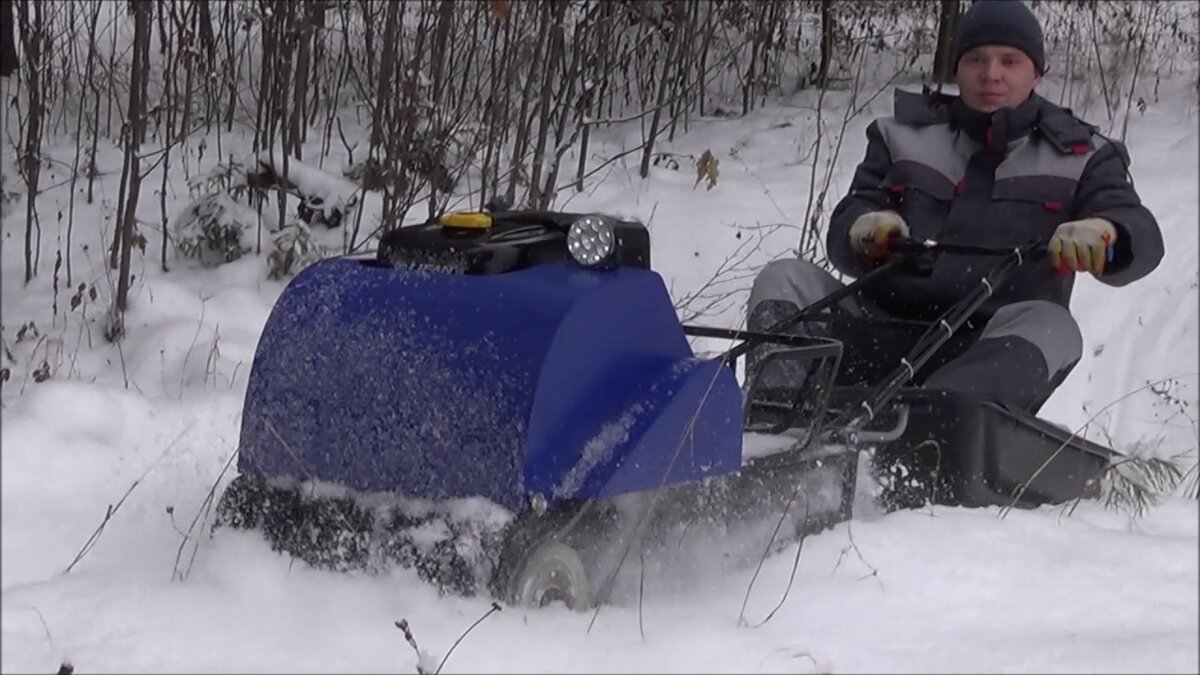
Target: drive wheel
(552,572)
(550,557)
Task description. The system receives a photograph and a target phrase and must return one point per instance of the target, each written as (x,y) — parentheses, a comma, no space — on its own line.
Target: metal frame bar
(848,422)
(830,300)
(846,425)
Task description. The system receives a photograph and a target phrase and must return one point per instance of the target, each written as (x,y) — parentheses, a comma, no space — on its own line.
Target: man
(996,166)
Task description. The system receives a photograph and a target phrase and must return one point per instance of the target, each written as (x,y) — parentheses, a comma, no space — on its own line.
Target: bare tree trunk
(604,73)
(144,81)
(266,76)
(185,124)
(405,122)
(8,39)
(95,129)
(137,121)
(112,83)
(300,93)
(826,44)
(383,94)
(494,105)
(663,86)
(33,38)
(383,114)
(569,106)
(502,101)
(681,93)
(778,17)
(178,49)
(331,106)
(160,15)
(434,152)
(756,47)
(523,122)
(316,19)
(943,55)
(553,56)
(369,37)
(133,132)
(468,73)
(701,90)
(229,30)
(85,86)
(208,39)
(285,21)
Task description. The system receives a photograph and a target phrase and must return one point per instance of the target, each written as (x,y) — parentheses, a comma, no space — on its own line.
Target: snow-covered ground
(936,590)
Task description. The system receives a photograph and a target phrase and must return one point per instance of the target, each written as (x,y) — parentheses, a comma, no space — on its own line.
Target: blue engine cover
(555,380)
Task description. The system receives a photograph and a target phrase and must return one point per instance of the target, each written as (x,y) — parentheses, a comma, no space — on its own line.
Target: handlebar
(909,246)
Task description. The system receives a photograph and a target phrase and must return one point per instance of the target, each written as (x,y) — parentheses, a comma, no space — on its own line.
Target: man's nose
(992,70)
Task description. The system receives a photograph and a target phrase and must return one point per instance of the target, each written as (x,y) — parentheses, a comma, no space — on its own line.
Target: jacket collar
(994,131)
(1006,125)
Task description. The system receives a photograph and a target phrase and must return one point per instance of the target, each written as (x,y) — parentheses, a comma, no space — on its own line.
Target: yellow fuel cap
(466,220)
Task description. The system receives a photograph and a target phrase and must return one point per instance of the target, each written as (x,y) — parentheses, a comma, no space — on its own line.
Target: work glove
(1082,245)
(870,233)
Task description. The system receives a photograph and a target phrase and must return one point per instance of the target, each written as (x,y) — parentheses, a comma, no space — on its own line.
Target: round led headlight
(592,241)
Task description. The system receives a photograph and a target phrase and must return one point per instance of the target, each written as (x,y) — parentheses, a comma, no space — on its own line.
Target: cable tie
(870,412)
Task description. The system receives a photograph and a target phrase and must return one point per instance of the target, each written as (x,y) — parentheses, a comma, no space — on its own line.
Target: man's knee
(1048,326)
(1023,354)
(782,288)
(790,280)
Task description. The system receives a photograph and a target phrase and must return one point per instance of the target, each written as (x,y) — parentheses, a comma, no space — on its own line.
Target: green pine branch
(1137,484)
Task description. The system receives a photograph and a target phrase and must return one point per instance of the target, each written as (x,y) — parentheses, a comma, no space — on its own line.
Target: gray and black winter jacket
(1001,179)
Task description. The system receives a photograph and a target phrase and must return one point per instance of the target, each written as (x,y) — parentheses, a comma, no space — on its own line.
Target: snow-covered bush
(217,227)
(325,199)
(214,229)
(294,249)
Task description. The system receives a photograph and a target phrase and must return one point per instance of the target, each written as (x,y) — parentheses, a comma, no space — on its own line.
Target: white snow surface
(933,590)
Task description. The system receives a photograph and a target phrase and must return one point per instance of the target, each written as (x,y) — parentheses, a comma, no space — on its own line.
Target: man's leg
(781,289)
(1023,353)
(786,286)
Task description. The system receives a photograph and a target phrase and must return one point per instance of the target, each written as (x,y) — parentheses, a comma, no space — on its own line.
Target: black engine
(514,240)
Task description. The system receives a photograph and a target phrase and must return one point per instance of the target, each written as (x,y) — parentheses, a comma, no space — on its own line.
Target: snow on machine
(508,403)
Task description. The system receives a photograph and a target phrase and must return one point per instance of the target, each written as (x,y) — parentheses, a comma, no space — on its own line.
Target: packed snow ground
(935,590)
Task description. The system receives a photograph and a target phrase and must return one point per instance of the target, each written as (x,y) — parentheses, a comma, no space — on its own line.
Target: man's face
(991,77)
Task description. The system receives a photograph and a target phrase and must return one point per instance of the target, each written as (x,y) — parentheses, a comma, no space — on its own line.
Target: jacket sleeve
(1104,191)
(866,194)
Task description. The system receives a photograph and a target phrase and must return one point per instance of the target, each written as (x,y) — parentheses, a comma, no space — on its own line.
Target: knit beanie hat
(1000,22)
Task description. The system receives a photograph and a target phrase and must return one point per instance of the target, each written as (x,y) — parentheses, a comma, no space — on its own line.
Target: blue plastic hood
(554,380)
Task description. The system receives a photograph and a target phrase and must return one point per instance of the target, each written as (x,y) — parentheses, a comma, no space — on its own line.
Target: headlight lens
(592,241)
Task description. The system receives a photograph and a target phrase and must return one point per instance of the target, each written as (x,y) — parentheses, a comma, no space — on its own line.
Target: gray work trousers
(1018,356)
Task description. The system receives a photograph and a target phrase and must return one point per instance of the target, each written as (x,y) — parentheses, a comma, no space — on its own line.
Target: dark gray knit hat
(1000,22)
